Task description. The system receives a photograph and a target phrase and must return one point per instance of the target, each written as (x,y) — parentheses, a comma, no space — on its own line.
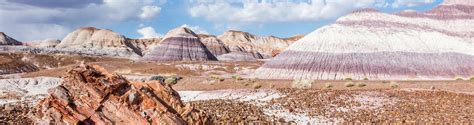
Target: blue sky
(32,19)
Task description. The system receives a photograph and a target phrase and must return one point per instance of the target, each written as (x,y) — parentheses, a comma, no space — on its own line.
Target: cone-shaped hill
(179,44)
(7,40)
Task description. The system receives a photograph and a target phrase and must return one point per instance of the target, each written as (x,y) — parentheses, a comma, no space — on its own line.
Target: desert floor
(228,92)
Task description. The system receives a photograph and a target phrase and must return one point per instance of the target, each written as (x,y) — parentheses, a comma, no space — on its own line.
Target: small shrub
(348,78)
(157,78)
(328,85)
(246,84)
(360,84)
(366,78)
(394,85)
(459,78)
(171,80)
(217,78)
(349,84)
(301,84)
(472,79)
(256,85)
(385,82)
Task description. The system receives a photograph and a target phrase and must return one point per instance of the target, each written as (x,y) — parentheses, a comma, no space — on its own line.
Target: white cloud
(149,32)
(28,22)
(281,10)
(149,12)
(195,29)
(410,3)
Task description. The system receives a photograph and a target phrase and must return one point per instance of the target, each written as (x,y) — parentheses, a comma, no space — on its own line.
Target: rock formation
(214,45)
(180,44)
(143,45)
(259,47)
(90,95)
(47,43)
(437,44)
(6,40)
(100,41)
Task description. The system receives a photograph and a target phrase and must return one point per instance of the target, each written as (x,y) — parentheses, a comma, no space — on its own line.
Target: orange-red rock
(89,94)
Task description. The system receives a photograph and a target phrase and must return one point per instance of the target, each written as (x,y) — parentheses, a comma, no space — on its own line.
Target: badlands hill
(245,44)
(47,43)
(437,44)
(7,40)
(100,40)
(179,44)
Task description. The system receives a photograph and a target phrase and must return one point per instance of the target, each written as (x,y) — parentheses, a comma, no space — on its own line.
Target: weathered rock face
(6,40)
(180,44)
(90,95)
(100,40)
(437,44)
(214,45)
(47,43)
(260,47)
(143,45)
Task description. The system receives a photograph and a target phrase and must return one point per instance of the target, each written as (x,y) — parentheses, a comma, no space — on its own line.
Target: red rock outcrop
(90,95)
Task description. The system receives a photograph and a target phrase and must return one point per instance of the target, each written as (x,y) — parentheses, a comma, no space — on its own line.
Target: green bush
(459,78)
(157,78)
(349,78)
(472,79)
(366,78)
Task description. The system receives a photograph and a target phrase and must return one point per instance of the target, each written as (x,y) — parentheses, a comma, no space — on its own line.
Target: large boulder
(91,95)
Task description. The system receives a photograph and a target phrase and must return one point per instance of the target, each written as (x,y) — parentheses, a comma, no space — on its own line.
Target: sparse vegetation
(393,84)
(459,78)
(218,78)
(348,78)
(256,85)
(238,78)
(171,80)
(328,85)
(361,84)
(157,78)
(366,78)
(302,84)
(472,78)
(349,84)
(385,82)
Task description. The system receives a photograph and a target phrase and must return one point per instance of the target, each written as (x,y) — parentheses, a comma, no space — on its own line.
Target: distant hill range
(232,45)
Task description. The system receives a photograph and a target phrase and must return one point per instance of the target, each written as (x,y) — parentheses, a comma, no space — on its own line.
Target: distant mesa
(7,40)
(47,43)
(179,44)
(436,44)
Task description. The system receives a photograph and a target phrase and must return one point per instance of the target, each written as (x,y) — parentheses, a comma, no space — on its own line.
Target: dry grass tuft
(349,84)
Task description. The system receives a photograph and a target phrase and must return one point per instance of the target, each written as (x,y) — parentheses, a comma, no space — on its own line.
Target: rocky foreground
(339,106)
(91,95)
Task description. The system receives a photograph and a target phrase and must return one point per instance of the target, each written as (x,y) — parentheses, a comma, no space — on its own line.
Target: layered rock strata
(90,95)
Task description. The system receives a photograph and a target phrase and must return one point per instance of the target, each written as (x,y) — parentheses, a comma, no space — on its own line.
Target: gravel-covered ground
(329,106)
(15,113)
